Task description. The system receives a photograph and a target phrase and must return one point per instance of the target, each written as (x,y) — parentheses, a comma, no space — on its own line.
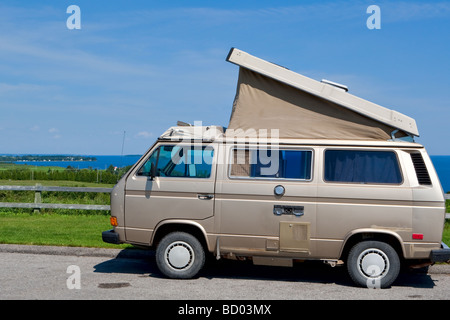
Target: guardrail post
(37,197)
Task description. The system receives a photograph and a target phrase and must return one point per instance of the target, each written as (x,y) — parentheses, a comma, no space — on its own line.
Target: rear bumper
(440,255)
(110,237)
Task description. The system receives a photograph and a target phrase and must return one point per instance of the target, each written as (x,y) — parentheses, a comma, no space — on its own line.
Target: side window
(362,167)
(280,164)
(179,161)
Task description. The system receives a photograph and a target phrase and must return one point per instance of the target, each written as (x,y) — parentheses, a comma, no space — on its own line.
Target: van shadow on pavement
(309,271)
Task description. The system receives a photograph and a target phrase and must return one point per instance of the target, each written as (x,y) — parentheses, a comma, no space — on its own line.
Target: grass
(54,229)
(446,234)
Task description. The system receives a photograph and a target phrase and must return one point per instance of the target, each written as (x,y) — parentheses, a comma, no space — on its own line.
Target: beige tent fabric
(265,103)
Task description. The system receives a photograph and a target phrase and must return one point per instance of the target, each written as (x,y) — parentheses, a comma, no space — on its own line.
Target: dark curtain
(362,166)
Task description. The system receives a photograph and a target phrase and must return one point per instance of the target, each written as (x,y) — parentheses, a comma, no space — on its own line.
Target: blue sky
(139,66)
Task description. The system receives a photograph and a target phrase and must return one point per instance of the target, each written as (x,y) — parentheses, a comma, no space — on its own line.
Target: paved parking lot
(74,273)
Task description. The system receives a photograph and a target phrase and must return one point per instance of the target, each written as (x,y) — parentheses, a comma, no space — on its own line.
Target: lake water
(102,162)
(441,164)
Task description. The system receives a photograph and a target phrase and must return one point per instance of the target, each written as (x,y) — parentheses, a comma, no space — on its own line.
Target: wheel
(180,255)
(373,264)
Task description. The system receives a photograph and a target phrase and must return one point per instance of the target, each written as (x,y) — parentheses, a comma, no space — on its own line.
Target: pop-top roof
(272,97)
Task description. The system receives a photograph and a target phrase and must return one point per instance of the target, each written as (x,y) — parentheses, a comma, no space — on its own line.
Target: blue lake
(102,162)
(441,164)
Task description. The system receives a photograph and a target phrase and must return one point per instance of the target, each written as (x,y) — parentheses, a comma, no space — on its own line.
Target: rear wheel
(180,255)
(373,264)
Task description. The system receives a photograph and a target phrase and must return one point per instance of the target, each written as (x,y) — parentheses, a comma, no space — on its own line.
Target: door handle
(297,211)
(205,196)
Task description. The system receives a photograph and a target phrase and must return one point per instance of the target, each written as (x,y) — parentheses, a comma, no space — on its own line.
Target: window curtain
(362,166)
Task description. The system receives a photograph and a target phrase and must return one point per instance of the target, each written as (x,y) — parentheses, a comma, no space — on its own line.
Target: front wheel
(180,255)
(373,264)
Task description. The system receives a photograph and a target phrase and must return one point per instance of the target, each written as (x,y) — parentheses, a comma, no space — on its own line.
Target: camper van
(304,171)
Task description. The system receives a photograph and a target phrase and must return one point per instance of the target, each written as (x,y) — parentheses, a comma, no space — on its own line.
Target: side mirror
(152,171)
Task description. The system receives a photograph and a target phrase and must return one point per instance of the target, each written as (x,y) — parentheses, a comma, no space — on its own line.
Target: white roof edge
(318,142)
(325,91)
(209,133)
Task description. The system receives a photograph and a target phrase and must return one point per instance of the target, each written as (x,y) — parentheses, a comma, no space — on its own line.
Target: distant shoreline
(88,161)
(46,158)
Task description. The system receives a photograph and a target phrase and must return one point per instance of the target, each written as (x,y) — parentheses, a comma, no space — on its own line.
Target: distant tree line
(110,175)
(8,158)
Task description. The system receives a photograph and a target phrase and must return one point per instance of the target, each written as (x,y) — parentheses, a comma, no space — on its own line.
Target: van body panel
(344,208)
(204,226)
(245,211)
(148,201)
(240,215)
(117,202)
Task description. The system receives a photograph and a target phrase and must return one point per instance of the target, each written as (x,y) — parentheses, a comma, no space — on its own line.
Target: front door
(265,201)
(175,181)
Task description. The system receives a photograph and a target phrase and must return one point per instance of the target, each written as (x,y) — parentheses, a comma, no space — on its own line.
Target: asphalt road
(47,273)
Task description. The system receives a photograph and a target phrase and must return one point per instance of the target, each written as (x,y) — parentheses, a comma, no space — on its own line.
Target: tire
(180,255)
(373,264)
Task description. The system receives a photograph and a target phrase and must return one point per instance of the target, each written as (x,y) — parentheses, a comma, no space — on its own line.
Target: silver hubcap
(373,263)
(179,255)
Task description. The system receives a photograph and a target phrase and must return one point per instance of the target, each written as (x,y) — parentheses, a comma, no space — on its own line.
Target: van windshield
(179,161)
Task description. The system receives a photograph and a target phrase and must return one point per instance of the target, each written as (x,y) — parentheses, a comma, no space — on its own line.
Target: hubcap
(179,255)
(373,263)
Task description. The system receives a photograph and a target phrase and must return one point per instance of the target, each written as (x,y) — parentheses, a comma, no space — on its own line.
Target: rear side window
(281,164)
(357,166)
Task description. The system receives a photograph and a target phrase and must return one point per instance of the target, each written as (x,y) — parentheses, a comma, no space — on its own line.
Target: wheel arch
(359,235)
(191,227)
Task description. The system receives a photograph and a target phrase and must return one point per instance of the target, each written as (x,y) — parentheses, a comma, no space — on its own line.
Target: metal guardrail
(57,189)
(37,205)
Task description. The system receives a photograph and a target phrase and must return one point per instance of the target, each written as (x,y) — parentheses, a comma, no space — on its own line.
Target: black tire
(373,264)
(180,255)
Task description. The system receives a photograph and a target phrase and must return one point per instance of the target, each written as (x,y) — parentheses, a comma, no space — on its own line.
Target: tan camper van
(304,171)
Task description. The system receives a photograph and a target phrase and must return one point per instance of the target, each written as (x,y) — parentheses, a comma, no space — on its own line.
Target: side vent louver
(421,169)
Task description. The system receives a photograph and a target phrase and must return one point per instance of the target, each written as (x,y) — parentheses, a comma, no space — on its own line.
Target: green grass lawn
(75,230)
(57,227)
(446,235)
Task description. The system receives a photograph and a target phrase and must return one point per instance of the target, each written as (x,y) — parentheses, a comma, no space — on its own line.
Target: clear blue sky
(139,66)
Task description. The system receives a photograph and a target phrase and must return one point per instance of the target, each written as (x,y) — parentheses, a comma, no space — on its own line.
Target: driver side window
(179,161)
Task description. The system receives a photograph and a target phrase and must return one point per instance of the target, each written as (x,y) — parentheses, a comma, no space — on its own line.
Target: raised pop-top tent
(269,97)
